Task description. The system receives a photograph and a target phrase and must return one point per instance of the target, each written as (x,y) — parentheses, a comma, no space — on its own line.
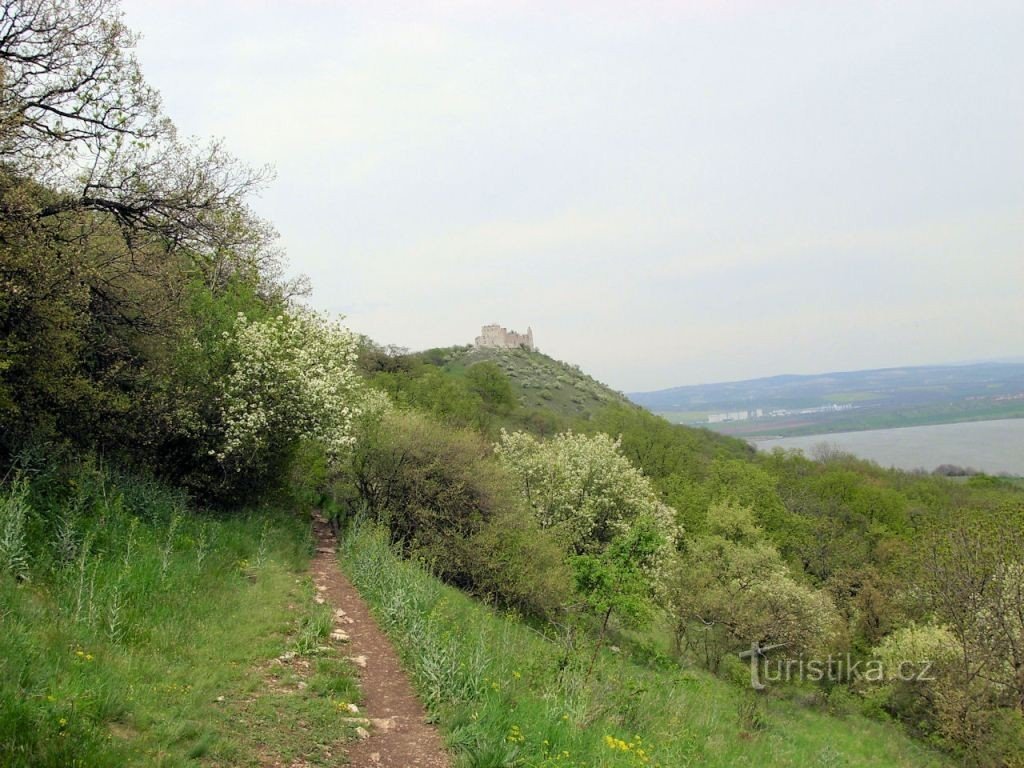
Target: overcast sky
(669,193)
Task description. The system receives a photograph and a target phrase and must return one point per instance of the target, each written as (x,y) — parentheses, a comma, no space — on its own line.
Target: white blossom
(582,486)
(292,377)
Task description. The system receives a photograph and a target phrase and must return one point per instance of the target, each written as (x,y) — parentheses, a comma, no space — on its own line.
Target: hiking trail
(392,723)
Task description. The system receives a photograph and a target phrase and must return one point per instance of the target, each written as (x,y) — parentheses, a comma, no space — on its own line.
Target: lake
(990,446)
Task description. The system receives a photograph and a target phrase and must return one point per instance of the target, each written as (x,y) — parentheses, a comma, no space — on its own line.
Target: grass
(539,381)
(144,633)
(506,695)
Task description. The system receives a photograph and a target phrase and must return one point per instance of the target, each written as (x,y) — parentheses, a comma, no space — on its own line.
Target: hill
(840,401)
(541,382)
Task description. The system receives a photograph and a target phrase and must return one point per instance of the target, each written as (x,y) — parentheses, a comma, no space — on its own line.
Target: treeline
(157,381)
(143,310)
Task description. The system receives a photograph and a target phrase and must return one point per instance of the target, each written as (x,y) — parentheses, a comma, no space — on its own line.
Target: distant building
(718,418)
(494,335)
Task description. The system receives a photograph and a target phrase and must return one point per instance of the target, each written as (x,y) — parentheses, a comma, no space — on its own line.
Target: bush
(444,500)
(516,563)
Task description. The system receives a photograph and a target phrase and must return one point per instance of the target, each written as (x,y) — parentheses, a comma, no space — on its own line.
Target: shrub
(582,487)
(445,501)
(519,565)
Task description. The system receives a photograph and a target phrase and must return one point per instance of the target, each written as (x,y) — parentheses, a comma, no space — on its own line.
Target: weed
(14,558)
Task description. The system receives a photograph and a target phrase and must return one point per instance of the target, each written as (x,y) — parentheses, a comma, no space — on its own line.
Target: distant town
(761,413)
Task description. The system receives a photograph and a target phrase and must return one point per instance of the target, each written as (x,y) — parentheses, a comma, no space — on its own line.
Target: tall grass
(506,695)
(123,616)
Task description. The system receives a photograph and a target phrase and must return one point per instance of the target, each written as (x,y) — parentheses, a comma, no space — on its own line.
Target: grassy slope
(506,695)
(145,636)
(542,382)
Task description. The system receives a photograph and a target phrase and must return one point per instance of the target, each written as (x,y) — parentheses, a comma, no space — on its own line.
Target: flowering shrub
(292,378)
(583,487)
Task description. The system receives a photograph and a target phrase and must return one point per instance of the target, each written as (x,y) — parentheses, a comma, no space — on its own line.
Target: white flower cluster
(293,377)
(583,486)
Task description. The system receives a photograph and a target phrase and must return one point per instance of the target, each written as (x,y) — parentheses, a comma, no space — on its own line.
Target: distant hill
(540,381)
(830,402)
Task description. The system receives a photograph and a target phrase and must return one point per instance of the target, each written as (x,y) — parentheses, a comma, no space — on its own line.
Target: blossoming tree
(292,378)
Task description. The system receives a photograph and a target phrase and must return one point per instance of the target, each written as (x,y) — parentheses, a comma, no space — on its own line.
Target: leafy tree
(492,385)
(444,499)
(621,580)
(730,588)
(971,575)
(429,389)
(583,488)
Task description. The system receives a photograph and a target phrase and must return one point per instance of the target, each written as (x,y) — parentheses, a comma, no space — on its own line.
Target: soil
(396,732)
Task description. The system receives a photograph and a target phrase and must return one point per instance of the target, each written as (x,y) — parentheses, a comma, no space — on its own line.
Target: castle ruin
(494,335)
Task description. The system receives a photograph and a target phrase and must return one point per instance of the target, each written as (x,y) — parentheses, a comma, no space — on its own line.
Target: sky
(669,193)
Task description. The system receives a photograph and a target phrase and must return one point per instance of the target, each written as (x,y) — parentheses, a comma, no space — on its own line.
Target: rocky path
(393,724)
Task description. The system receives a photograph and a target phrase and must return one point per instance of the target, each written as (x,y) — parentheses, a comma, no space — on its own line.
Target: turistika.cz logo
(836,669)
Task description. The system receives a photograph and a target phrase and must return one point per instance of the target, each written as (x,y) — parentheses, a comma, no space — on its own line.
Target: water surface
(989,446)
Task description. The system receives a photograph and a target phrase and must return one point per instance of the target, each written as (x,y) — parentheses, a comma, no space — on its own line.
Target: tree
(444,499)
(619,579)
(77,115)
(492,385)
(110,225)
(291,378)
(583,488)
(730,588)
(971,576)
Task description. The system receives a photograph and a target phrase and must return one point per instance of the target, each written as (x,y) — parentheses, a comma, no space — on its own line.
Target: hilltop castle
(494,335)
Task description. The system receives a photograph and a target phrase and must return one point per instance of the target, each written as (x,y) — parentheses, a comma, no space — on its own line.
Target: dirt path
(396,733)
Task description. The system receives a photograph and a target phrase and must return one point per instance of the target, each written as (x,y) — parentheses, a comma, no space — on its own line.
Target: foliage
(582,488)
(731,588)
(972,579)
(505,694)
(292,378)
(489,382)
(442,497)
(111,230)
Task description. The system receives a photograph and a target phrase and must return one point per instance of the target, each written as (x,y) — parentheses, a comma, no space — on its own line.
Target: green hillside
(540,381)
(503,696)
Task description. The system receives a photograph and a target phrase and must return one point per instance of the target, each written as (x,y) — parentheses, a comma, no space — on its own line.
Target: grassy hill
(505,694)
(540,381)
